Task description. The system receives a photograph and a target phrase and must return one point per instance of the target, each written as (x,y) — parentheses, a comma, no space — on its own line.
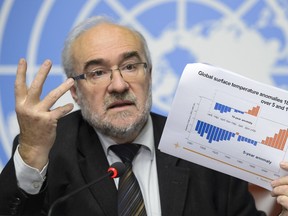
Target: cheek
(94,99)
(96,103)
(142,95)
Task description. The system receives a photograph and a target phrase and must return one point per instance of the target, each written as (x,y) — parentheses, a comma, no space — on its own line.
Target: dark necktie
(130,200)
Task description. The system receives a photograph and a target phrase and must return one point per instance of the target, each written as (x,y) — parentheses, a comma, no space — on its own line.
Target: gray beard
(105,126)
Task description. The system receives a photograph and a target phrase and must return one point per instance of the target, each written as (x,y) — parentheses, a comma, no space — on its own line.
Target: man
(57,153)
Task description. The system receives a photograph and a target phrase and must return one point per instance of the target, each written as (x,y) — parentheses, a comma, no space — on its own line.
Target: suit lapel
(173,184)
(173,180)
(93,165)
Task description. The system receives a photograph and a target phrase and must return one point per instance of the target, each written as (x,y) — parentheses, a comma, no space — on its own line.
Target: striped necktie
(130,200)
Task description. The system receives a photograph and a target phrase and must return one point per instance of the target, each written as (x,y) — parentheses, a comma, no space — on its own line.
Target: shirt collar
(145,138)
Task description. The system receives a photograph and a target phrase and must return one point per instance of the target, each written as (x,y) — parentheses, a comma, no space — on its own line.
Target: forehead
(105,41)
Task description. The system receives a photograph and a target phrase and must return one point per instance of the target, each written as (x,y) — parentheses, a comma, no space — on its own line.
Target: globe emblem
(246,40)
(248,37)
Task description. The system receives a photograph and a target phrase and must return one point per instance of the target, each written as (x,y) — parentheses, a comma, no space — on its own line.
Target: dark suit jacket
(78,158)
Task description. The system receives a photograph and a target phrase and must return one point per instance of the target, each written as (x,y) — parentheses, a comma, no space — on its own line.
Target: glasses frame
(84,75)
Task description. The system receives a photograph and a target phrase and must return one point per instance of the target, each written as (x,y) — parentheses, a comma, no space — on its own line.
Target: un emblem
(248,37)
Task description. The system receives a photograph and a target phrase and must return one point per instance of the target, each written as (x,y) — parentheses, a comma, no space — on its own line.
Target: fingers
(31,96)
(280,181)
(283,201)
(280,188)
(284,165)
(20,87)
(283,180)
(55,94)
(28,100)
(62,111)
(36,87)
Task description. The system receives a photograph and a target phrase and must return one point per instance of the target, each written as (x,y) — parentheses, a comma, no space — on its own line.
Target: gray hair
(67,57)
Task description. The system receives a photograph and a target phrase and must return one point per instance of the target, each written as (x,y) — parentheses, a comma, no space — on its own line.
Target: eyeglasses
(101,75)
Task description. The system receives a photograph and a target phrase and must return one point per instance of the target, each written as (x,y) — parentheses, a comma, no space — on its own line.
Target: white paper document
(228,123)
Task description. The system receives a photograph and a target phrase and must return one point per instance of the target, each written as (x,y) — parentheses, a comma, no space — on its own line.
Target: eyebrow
(99,61)
(93,62)
(129,55)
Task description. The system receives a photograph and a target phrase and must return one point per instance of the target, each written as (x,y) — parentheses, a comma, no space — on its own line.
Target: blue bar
(219,135)
(197,125)
(207,128)
(226,135)
(216,107)
(210,129)
(200,127)
(209,132)
(230,135)
(239,138)
(222,134)
(203,128)
(228,109)
(221,109)
(210,135)
(215,133)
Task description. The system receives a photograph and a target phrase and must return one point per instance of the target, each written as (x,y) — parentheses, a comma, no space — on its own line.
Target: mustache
(113,97)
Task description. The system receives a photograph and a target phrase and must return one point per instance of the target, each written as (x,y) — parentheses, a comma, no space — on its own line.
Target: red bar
(280,138)
(284,140)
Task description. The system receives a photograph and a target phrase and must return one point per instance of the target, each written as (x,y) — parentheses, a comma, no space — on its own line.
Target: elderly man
(109,76)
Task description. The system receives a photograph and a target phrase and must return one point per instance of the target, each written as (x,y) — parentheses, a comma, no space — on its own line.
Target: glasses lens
(98,76)
(131,71)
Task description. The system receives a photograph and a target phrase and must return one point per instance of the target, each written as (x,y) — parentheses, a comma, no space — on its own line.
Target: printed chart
(236,126)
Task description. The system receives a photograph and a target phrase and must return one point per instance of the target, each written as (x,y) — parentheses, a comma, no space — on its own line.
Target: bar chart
(236,125)
(224,109)
(214,133)
(278,141)
(217,134)
(249,115)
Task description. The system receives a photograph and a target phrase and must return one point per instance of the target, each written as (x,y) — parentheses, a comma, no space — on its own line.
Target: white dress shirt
(144,168)
(143,165)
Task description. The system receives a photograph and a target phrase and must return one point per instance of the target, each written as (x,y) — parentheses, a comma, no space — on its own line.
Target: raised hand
(280,190)
(36,121)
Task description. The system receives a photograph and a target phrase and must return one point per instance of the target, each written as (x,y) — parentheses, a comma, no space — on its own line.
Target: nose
(117,83)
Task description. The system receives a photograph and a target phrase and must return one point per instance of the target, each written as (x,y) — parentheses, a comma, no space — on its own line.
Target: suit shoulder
(72,117)
(158,118)
(69,124)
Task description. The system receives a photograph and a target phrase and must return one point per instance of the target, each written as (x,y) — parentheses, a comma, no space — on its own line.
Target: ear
(150,70)
(73,92)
